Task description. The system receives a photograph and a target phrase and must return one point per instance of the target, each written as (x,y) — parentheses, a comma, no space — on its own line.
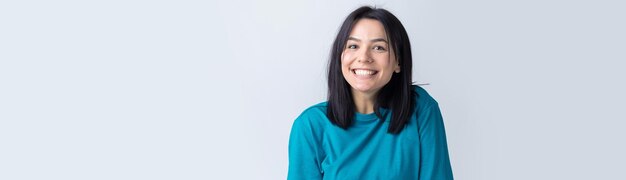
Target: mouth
(363,72)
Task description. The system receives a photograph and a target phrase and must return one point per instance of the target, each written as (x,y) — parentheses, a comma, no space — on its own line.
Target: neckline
(368,117)
(365,117)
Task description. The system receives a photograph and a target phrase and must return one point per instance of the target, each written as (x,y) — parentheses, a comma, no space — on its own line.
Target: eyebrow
(373,40)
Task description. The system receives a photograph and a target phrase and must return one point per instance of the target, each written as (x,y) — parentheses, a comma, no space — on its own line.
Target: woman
(375,124)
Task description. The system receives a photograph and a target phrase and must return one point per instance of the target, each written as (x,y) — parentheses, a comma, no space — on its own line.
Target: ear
(397,69)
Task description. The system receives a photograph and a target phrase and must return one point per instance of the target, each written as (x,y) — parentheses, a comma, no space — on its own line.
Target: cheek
(345,60)
(345,56)
(385,61)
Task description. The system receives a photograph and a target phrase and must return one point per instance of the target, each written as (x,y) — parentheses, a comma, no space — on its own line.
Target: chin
(365,88)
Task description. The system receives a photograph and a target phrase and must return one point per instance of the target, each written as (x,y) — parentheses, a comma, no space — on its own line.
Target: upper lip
(363,69)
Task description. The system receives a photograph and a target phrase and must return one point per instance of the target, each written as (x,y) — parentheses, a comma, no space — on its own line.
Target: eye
(379,48)
(352,46)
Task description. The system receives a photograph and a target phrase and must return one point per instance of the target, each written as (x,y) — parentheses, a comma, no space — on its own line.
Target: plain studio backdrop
(210,89)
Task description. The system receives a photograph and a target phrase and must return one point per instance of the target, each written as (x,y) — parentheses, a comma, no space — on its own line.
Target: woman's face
(367,62)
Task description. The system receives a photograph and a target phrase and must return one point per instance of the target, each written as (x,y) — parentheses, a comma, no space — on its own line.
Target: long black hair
(397,95)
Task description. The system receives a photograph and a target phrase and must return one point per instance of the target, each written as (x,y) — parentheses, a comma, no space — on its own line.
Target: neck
(364,102)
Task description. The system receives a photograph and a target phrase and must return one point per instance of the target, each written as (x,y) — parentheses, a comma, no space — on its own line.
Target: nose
(363,55)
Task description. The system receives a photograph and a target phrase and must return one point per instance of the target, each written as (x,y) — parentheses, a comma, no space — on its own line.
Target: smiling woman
(367,64)
(375,124)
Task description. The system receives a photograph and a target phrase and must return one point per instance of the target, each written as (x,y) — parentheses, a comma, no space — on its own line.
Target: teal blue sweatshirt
(320,150)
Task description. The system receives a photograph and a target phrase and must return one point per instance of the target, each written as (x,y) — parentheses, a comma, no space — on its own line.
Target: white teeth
(363,72)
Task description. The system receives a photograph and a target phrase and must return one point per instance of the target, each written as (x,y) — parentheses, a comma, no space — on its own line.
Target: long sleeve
(434,161)
(305,152)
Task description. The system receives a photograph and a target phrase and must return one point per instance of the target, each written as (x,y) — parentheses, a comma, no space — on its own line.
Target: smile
(364,72)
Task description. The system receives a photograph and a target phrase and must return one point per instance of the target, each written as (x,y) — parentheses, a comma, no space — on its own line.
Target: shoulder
(315,110)
(427,108)
(314,115)
(423,98)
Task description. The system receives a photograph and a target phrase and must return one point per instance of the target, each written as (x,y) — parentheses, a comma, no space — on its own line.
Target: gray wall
(208,90)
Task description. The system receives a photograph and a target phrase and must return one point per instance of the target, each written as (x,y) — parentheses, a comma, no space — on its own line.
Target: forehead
(368,29)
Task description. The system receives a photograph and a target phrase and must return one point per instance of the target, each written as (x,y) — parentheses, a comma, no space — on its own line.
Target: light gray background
(209,89)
